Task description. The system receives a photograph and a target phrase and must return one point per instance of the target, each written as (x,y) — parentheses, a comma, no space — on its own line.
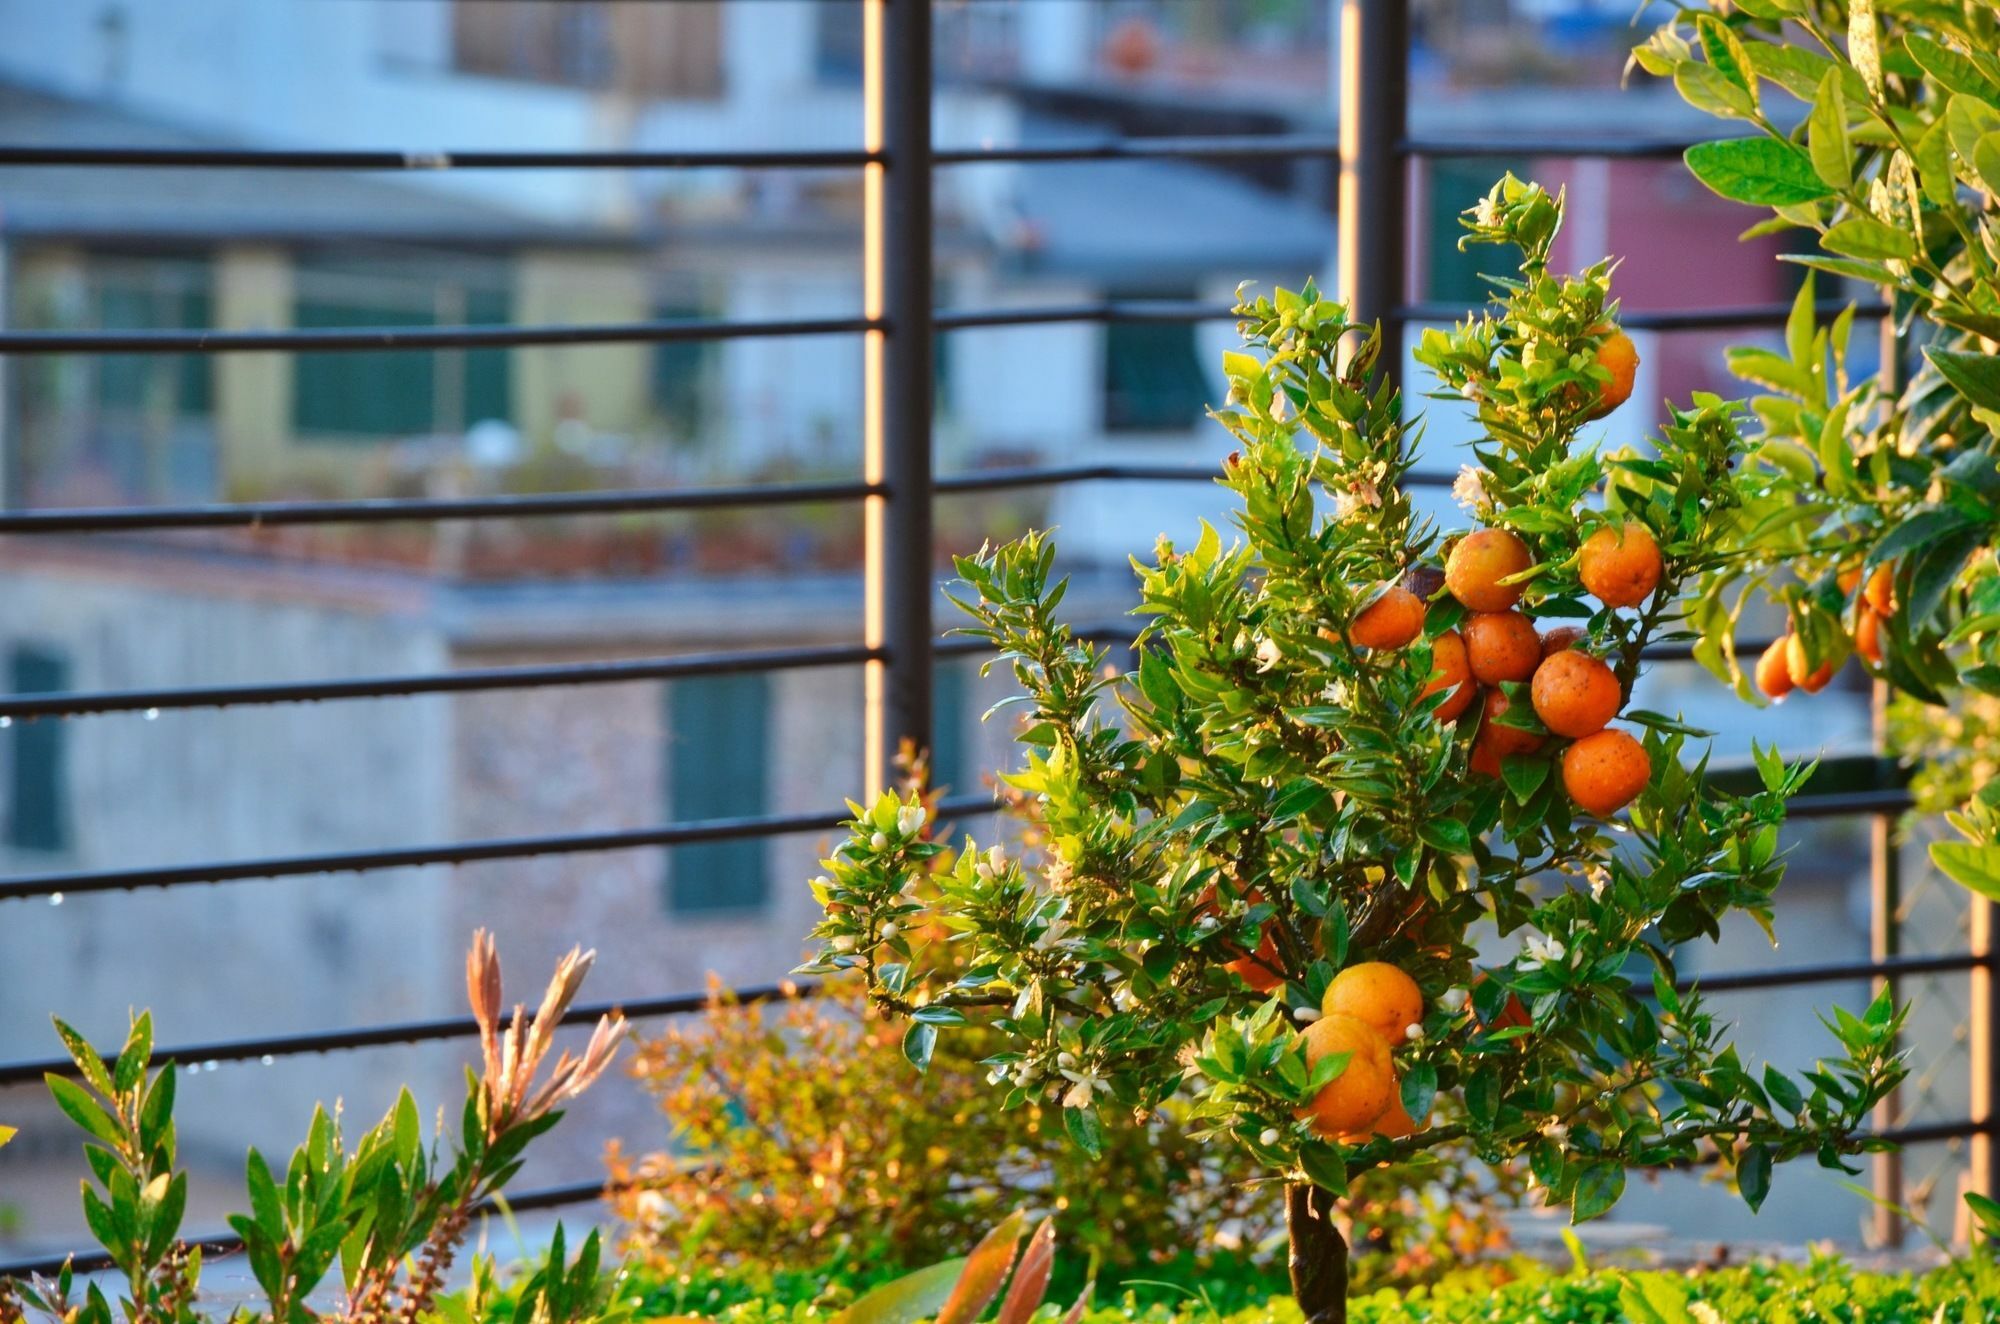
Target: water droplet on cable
(152,714)
(6,721)
(55,898)
(210,1065)
(267,1059)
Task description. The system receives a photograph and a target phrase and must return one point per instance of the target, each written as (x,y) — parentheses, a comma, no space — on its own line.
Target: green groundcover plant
(1347,752)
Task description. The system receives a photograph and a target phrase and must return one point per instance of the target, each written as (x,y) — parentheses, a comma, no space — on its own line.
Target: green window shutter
(389,394)
(488,372)
(37,781)
(1153,378)
(681,370)
(949,753)
(718,729)
(1452,185)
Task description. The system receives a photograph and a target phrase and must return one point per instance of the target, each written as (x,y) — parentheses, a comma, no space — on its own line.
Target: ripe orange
(1362,1092)
(1848,578)
(1377,993)
(1390,621)
(1502,740)
(1262,969)
(1575,694)
(1479,562)
(1450,667)
(1620,357)
(1393,1124)
(1799,667)
(1484,759)
(1868,634)
(1563,636)
(1620,566)
(1502,645)
(1604,771)
(1774,672)
(1881,591)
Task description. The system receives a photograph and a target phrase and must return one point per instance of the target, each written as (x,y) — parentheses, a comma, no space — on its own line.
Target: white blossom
(651,1205)
(1703,1313)
(1469,489)
(1269,1137)
(1065,1059)
(1084,1082)
(1600,878)
(889,929)
(822,881)
(1542,950)
(880,841)
(1052,933)
(1556,1131)
(1124,999)
(1268,654)
(1356,495)
(996,858)
(1305,1015)
(844,943)
(1453,1000)
(910,819)
(1415,1034)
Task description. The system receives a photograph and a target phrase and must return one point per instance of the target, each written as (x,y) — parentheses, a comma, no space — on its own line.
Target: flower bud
(879,841)
(1270,1136)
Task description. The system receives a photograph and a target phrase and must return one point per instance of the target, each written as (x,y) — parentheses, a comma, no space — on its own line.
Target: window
(651,51)
(1452,185)
(682,371)
(37,803)
(717,743)
(396,393)
(950,749)
(1153,378)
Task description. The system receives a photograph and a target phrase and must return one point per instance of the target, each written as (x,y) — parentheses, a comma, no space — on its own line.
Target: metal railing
(896,490)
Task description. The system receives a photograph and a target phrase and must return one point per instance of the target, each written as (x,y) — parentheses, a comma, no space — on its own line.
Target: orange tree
(1872,508)
(1259,890)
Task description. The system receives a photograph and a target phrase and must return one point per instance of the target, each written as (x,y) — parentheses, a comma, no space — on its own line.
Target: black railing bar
(1839,972)
(1217,146)
(31,706)
(994,480)
(411,857)
(1706,319)
(409,1032)
(1627,149)
(213,340)
(1848,804)
(1100,310)
(390,510)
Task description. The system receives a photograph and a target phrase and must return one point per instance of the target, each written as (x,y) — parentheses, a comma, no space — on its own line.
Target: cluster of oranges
(1785,665)
(1367,1009)
(1573,693)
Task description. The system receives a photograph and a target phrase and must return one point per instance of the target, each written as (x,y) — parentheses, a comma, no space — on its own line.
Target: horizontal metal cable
(1096,310)
(407,1032)
(389,510)
(1625,149)
(1216,146)
(458,852)
(1706,319)
(213,340)
(679,667)
(1799,976)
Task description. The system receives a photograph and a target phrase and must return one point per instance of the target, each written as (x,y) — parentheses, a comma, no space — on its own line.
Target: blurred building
(245,249)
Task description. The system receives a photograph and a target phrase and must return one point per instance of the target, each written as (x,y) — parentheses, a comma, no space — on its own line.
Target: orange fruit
(1848,578)
(1620,566)
(1563,636)
(1479,562)
(1799,667)
(1868,634)
(1575,694)
(1881,591)
(1620,357)
(1263,969)
(1390,621)
(1484,759)
(1503,740)
(1603,772)
(1450,667)
(1501,645)
(1393,1124)
(1363,1091)
(1774,672)
(1377,993)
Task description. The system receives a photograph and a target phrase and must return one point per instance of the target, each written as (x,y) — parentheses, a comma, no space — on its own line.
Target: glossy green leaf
(1764,172)
(905,1300)
(1969,865)
(80,1108)
(1866,237)
(1753,1176)
(1826,134)
(1598,1188)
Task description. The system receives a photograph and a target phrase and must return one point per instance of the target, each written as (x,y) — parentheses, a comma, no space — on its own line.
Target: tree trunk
(1319,1255)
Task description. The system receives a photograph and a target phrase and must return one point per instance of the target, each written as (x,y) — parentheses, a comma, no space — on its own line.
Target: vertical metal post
(1885,914)
(1984,1174)
(1374,96)
(897,365)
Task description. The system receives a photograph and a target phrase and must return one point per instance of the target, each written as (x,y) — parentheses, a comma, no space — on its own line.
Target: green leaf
(1864,45)
(908,1299)
(1524,774)
(135,1055)
(1753,1176)
(1084,1128)
(1974,376)
(1324,1166)
(1419,1089)
(1727,56)
(1950,69)
(1446,834)
(918,1041)
(85,1057)
(1866,237)
(265,1207)
(1969,865)
(85,1112)
(1826,134)
(1598,1187)
(1764,172)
